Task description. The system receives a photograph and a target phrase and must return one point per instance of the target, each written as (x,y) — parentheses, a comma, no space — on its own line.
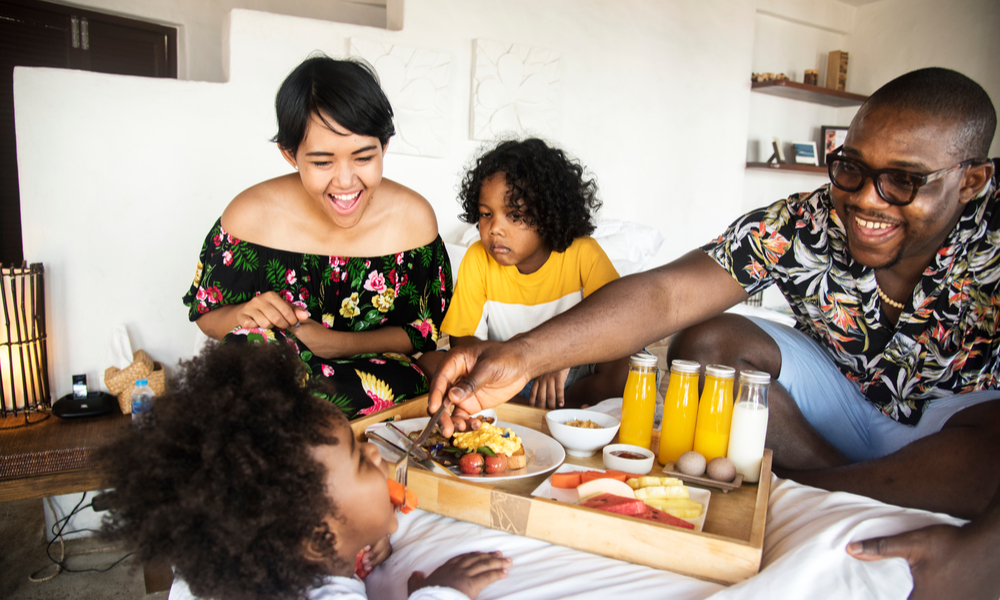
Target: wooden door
(41,34)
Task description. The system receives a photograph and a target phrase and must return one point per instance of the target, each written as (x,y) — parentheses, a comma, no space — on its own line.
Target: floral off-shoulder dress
(410,289)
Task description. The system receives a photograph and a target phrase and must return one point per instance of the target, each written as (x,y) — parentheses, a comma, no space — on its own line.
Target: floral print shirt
(944,343)
(410,289)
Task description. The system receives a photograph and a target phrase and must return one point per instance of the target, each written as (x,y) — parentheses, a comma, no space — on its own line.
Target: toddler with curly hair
(252,488)
(535,259)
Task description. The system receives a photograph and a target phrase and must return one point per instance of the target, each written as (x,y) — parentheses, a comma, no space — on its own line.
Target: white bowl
(577,440)
(636,466)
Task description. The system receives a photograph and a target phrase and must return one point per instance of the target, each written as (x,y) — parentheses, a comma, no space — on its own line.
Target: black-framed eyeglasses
(892,185)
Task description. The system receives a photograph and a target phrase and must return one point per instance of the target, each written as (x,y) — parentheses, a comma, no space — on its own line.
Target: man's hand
(548,391)
(946,561)
(269,310)
(477,377)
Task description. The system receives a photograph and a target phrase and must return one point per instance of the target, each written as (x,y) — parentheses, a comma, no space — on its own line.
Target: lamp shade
(24,371)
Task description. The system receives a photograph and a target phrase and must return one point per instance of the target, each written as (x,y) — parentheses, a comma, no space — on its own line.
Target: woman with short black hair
(346,265)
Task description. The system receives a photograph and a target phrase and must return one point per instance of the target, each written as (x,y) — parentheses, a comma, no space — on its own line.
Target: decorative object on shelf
(778,156)
(831,138)
(759,77)
(24,362)
(836,70)
(805,153)
(811,77)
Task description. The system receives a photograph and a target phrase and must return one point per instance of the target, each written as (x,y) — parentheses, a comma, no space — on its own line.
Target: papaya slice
(566,481)
(397,492)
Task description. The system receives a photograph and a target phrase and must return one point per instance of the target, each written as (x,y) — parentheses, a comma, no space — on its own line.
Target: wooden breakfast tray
(728,550)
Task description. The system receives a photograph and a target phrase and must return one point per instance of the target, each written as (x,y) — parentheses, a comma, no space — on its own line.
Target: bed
(807,531)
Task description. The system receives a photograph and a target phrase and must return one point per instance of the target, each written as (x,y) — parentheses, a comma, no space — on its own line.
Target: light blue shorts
(836,408)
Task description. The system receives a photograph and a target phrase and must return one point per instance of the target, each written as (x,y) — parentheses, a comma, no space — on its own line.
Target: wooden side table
(54,456)
(58,456)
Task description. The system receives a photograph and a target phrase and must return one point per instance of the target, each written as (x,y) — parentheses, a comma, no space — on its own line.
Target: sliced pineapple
(682,508)
(661,491)
(643,482)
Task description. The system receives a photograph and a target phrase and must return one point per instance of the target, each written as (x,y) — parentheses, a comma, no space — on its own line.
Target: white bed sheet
(804,556)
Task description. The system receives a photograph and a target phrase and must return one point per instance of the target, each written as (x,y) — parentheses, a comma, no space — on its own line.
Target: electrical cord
(60,563)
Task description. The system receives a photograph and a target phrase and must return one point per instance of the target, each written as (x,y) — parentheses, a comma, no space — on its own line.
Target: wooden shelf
(787,167)
(807,93)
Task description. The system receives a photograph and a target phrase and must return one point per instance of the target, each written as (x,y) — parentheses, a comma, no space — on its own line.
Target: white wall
(963,35)
(122,177)
(200,46)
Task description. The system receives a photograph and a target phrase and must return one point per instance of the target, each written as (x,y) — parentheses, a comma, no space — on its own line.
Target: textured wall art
(416,82)
(514,89)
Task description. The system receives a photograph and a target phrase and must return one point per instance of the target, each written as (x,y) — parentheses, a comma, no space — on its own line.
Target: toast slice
(517,460)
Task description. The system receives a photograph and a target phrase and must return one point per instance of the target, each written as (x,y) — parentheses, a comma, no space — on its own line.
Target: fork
(400,477)
(401,467)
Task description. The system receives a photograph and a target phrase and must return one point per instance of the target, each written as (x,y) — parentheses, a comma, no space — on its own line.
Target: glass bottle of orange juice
(715,412)
(680,410)
(639,401)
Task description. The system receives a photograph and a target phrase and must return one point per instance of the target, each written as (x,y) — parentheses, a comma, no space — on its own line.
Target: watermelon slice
(616,504)
(658,516)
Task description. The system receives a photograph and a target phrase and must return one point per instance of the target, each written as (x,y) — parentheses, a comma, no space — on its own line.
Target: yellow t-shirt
(496,302)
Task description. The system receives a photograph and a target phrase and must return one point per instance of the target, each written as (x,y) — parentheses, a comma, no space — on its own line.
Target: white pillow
(630,246)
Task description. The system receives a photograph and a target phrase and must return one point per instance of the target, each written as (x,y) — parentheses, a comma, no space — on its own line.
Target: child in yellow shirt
(535,259)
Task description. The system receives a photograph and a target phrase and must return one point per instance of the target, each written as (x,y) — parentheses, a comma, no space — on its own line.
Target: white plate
(566,495)
(543,452)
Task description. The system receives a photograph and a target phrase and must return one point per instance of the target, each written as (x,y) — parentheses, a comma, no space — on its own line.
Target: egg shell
(691,463)
(721,469)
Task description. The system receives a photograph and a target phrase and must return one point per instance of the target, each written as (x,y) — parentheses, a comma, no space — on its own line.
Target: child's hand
(548,390)
(372,556)
(468,573)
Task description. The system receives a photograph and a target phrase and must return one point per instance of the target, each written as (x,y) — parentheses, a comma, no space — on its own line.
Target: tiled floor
(22,553)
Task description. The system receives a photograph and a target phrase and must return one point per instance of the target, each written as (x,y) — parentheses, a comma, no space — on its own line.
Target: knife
(394,449)
(430,426)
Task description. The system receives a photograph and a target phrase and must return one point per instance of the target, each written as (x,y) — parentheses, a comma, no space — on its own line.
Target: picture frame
(805,153)
(777,156)
(831,138)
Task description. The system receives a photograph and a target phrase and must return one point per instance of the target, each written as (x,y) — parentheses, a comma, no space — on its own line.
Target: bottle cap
(720,371)
(759,377)
(685,366)
(642,359)
(141,382)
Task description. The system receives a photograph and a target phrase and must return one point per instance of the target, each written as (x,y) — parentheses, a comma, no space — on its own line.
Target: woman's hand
(468,573)
(548,391)
(269,310)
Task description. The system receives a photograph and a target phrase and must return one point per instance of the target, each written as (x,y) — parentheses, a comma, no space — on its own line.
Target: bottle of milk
(746,438)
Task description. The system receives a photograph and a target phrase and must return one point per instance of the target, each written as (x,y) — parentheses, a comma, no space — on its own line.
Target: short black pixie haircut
(545,187)
(346,91)
(223,486)
(948,95)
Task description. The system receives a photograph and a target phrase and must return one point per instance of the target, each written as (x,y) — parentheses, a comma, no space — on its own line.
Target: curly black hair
(544,185)
(223,485)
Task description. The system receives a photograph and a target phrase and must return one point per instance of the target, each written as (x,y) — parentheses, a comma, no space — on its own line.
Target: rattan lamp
(24,372)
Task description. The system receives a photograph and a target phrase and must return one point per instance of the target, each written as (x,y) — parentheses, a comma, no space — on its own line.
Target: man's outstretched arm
(618,319)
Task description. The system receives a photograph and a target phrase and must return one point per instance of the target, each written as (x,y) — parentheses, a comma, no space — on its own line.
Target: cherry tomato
(471,463)
(496,464)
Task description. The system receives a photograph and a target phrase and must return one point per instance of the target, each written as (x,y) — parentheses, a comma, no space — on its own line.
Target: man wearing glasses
(888,386)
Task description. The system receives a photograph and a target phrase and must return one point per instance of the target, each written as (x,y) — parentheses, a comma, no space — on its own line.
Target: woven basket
(121,382)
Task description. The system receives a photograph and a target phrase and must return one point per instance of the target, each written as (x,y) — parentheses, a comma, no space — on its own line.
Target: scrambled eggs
(498,439)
